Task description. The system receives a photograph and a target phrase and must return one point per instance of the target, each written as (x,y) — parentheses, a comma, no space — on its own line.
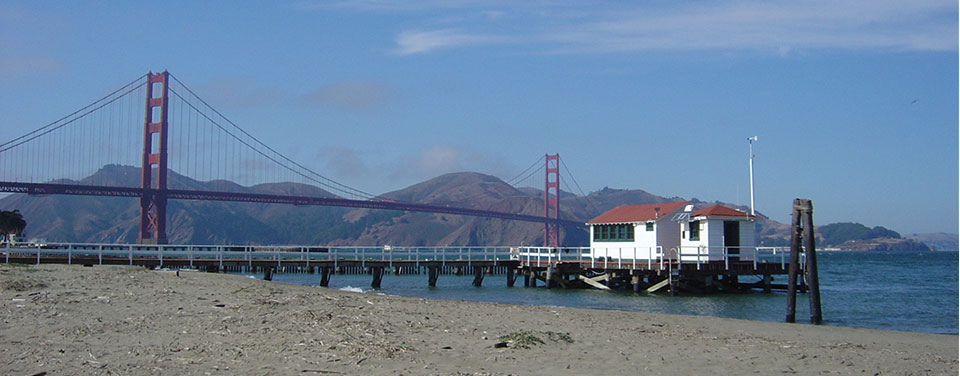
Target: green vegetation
(839,233)
(11,223)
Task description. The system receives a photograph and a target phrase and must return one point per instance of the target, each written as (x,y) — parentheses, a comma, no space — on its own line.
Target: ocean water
(908,291)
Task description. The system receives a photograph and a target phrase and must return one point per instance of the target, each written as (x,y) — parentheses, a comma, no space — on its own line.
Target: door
(731,239)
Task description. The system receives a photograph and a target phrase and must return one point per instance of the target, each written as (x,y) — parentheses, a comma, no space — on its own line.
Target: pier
(640,270)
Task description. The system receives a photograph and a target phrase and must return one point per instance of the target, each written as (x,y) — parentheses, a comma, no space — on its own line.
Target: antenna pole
(751,140)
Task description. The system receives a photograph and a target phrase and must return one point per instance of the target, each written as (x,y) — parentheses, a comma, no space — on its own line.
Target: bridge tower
(153,202)
(551,200)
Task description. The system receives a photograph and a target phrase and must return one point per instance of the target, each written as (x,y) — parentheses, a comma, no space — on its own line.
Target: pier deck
(554,267)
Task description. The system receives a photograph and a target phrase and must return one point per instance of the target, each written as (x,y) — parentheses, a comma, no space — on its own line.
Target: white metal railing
(256,253)
(595,257)
(654,257)
(757,255)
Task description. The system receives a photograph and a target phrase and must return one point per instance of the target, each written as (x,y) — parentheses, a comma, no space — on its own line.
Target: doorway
(731,239)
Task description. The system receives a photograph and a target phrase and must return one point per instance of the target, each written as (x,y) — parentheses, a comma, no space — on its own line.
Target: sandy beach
(74,320)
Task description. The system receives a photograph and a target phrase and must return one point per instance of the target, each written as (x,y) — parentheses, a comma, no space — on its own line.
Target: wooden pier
(548,267)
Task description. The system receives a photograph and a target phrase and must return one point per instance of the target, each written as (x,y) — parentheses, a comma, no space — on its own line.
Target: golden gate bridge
(159,124)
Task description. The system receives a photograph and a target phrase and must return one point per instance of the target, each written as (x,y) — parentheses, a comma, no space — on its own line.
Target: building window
(695,230)
(613,233)
(649,226)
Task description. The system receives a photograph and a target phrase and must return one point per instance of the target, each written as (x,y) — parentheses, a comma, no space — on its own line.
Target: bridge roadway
(180,194)
(555,267)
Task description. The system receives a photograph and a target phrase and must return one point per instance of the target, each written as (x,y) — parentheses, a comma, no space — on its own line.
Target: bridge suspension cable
(137,135)
(262,149)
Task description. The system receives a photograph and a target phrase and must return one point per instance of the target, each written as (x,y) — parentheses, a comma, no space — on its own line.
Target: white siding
(668,234)
(711,240)
(643,245)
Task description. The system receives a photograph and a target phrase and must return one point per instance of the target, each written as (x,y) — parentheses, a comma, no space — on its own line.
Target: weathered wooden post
(268,273)
(511,276)
(325,276)
(548,281)
(813,283)
(377,272)
(432,272)
(477,276)
(794,263)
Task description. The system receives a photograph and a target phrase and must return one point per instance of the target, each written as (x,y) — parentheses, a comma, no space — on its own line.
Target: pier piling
(795,236)
(377,272)
(432,271)
(511,276)
(325,277)
(803,231)
(813,283)
(478,276)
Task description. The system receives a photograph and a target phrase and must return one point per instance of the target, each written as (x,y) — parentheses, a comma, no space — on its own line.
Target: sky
(854,103)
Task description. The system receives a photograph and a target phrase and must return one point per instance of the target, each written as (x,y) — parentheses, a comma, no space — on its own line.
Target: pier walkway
(695,270)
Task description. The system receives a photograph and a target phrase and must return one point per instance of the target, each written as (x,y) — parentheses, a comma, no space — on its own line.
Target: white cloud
(775,26)
(435,160)
(350,95)
(414,42)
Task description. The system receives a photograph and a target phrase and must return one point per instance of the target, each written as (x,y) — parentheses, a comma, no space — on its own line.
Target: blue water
(909,291)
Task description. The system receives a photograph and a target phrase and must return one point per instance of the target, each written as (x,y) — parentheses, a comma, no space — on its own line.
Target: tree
(11,223)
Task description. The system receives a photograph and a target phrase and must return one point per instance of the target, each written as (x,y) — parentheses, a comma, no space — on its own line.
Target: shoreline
(621,302)
(78,320)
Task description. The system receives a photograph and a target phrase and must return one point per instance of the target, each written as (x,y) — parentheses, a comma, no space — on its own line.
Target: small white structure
(714,231)
(635,231)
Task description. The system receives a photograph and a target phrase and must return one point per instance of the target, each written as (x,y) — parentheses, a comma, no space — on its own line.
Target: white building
(635,231)
(710,231)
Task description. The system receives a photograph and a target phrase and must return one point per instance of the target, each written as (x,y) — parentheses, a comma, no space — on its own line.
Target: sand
(74,320)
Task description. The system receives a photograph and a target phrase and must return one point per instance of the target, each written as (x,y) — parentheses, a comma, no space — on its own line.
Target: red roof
(637,213)
(720,211)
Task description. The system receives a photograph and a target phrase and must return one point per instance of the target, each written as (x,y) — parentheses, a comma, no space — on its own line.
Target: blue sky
(855,103)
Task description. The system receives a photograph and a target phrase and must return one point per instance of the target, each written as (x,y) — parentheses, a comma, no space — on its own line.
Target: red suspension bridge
(183,135)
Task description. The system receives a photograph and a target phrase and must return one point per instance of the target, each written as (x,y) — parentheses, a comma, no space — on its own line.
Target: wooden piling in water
(548,281)
(377,272)
(478,276)
(793,269)
(432,272)
(511,276)
(813,283)
(325,276)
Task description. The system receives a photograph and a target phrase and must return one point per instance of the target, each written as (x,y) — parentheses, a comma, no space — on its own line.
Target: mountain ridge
(116,220)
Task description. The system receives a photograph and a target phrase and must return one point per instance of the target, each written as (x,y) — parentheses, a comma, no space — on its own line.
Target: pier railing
(593,257)
(251,254)
(654,257)
(757,255)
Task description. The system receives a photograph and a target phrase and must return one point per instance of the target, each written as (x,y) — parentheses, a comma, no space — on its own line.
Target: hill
(115,220)
(938,241)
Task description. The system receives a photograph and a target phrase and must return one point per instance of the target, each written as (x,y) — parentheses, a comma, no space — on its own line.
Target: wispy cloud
(772,26)
(25,50)
(415,42)
(19,66)
(238,91)
(430,162)
(350,95)
(605,27)
(353,167)
(395,5)
(344,162)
